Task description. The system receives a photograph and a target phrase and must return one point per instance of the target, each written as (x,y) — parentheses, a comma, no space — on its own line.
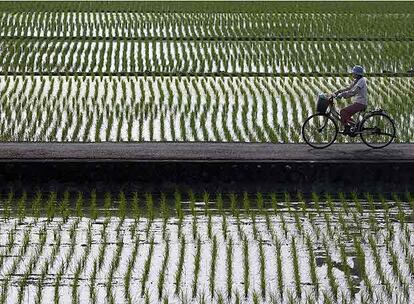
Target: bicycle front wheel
(377,130)
(319,131)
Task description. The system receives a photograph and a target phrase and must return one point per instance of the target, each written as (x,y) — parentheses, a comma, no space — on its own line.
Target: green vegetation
(356,248)
(222,72)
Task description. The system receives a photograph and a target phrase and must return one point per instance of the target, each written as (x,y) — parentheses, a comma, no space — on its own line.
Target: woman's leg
(347,112)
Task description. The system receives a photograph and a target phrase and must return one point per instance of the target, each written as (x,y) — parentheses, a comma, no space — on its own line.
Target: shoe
(347,130)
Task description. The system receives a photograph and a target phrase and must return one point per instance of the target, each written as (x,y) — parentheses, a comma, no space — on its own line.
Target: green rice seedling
(93,210)
(21,207)
(79,205)
(178,274)
(161,275)
(357,202)
(51,206)
(344,202)
(7,206)
(206,197)
(64,206)
(197,260)
(246,267)
(107,204)
(246,202)
(315,199)
(213,266)
(122,208)
(36,205)
(136,211)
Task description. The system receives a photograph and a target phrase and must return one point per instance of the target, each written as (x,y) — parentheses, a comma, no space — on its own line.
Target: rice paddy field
(206,248)
(193,72)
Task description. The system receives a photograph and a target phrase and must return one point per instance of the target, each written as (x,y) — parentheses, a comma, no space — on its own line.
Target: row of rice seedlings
(134,24)
(28,56)
(144,112)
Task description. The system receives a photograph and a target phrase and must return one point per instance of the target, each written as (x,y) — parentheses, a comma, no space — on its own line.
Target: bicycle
(376,128)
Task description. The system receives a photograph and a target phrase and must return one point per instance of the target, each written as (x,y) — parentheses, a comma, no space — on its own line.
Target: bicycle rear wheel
(377,130)
(319,131)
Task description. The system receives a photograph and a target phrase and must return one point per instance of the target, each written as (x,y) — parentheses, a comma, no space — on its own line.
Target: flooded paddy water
(212,247)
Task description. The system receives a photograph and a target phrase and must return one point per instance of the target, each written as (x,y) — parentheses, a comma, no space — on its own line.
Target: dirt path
(161,151)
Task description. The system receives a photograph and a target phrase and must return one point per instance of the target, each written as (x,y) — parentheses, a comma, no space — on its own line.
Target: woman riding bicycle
(358,90)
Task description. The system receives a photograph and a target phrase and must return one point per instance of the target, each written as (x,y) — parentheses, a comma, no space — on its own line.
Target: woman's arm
(351,92)
(346,88)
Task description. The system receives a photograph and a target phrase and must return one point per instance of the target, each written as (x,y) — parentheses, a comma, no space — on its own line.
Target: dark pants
(347,112)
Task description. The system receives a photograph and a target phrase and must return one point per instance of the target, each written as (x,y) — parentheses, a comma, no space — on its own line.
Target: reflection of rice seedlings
(377,262)
(209,225)
(150,213)
(179,211)
(147,266)
(255,297)
(4,289)
(59,275)
(161,275)
(278,245)
(296,273)
(165,215)
(332,281)
(229,267)
(246,266)
(346,270)
(179,271)
(213,266)
(41,281)
(262,269)
(193,213)
(206,196)
(92,282)
(312,265)
(197,260)
(360,264)
(254,226)
(273,199)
